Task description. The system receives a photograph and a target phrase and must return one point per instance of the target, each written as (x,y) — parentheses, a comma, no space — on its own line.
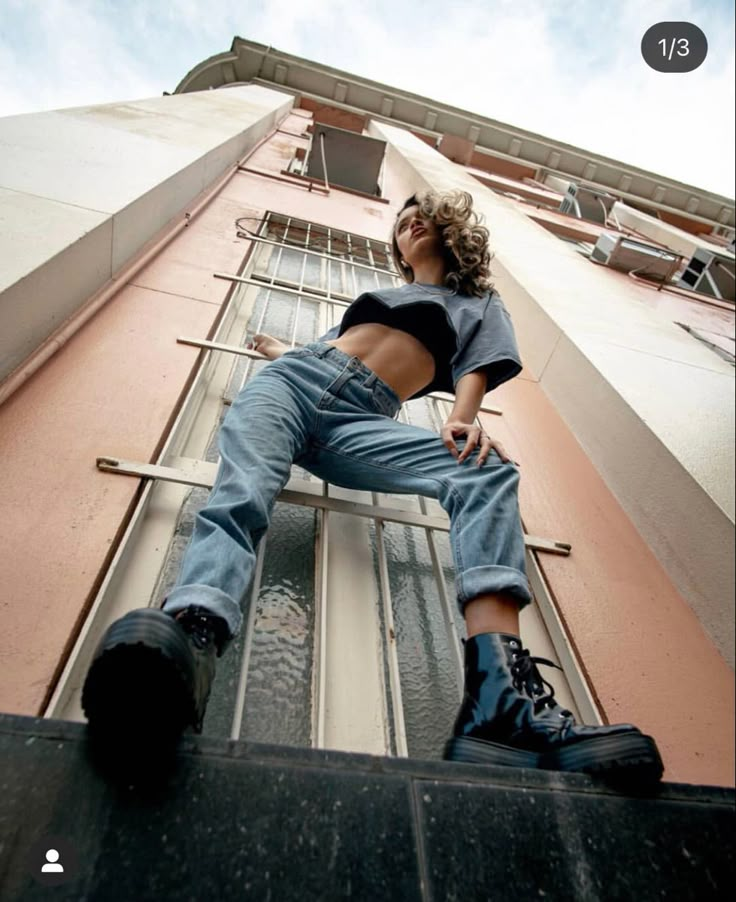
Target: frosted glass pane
(290,265)
(278,699)
(313,272)
(279,316)
(308,321)
(341,281)
(277,313)
(365,280)
(429,681)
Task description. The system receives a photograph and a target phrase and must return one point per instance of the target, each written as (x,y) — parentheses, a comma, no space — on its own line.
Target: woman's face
(417,238)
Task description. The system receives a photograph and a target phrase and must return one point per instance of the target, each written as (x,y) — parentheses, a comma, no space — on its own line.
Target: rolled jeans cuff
(214,600)
(493,579)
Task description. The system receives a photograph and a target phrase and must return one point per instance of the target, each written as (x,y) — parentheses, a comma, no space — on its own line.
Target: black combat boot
(151,675)
(509,716)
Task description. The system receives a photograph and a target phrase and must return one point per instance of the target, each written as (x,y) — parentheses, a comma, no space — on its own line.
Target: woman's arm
(469,393)
(267,345)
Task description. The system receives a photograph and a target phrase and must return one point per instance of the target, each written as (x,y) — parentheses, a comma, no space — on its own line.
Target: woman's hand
(476,437)
(267,345)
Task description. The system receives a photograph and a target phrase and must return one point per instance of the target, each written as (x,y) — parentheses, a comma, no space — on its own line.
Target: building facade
(145,246)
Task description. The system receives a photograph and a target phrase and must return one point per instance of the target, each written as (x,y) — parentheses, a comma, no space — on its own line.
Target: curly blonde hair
(466,253)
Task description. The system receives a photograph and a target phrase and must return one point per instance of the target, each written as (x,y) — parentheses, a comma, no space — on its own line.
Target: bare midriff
(396,357)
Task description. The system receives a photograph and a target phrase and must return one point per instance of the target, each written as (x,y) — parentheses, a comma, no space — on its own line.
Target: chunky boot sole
(478,751)
(139,690)
(625,758)
(620,757)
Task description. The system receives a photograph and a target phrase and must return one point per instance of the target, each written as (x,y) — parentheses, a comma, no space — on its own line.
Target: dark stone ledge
(222,820)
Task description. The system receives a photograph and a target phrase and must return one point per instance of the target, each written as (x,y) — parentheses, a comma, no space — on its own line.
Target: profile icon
(52,865)
(52,860)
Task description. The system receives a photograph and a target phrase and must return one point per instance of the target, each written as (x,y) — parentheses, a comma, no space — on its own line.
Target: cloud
(66,54)
(567,69)
(572,72)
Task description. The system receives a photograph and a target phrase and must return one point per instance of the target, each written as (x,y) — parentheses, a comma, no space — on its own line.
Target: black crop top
(429,325)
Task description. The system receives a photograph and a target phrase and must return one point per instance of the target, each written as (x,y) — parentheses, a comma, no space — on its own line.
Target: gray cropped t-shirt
(463,333)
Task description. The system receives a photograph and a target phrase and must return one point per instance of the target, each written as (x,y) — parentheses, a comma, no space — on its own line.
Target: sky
(571,70)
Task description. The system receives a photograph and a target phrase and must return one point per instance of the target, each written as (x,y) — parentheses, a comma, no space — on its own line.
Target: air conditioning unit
(587,203)
(352,160)
(710,273)
(628,255)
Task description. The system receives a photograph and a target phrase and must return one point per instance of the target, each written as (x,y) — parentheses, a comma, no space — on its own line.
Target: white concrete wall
(83,189)
(653,408)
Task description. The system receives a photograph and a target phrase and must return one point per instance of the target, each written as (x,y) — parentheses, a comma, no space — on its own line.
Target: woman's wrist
(469,393)
(465,413)
(267,345)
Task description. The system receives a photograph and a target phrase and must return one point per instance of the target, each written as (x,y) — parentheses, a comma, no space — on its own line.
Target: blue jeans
(331,415)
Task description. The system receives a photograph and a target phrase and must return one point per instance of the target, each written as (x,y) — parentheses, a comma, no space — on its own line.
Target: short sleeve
(491,347)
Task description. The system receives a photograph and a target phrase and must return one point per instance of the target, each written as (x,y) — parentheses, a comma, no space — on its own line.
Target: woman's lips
(417,232)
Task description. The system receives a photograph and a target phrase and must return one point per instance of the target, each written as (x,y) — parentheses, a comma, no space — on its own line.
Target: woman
(329,407)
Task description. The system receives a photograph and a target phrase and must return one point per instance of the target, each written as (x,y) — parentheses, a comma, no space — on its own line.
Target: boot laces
(527,676)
